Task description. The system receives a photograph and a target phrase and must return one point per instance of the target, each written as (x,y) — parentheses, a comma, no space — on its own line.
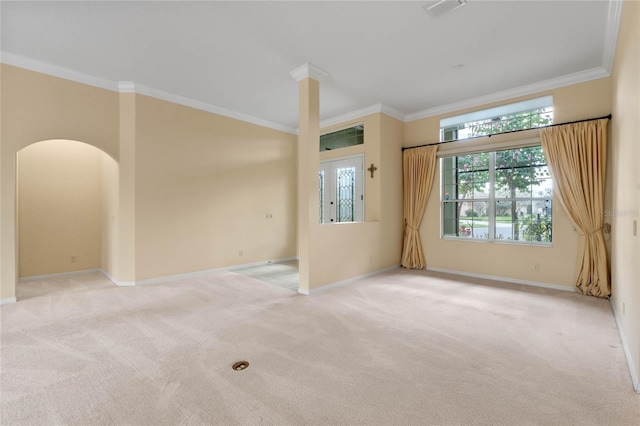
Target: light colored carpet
(404,347)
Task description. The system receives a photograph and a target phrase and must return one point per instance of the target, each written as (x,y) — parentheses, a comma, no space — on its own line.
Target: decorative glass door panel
(341,190)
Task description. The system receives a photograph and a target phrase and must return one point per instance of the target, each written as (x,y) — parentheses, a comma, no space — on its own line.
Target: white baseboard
(61,274)
(207,271)
(154,280)
(7,301)
(504,279)
(109,276)
(115,281)
(633,370)
(347,281)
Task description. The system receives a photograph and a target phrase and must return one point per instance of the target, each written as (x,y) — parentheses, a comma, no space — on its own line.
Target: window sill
(504,242)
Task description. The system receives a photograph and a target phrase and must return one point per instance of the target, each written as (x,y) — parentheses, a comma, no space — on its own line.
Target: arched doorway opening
(67,210)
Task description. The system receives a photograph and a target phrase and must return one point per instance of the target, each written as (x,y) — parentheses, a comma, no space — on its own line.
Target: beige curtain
(419,165)
(576,155)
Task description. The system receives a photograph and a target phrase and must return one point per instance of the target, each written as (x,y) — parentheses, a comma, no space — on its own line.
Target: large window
(505,118)
(341,190)
(497,196)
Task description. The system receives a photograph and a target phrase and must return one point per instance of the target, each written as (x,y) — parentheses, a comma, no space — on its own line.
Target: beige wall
(624,184)
(556,264)
(6,293)
(308,163)
(37,107)
(391,189)
(347,250)
(59,208)
(204,186)
(126,267)
(190,190)
(109,214)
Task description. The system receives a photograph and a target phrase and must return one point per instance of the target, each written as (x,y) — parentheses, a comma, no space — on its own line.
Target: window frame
(492,199)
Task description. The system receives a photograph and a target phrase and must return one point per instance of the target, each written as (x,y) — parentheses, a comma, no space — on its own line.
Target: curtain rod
(608,117)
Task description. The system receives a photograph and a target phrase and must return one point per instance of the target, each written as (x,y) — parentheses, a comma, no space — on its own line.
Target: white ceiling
(235,57)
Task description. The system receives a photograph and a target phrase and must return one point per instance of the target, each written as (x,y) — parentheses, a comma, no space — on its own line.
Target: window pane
(321,191)
(481,187)
(533,156)
(471,183)
(449,134)
(536,227)
(512,218)
(503,186)
(473,162)
(504,223)
(466,219)
(342,138)
(515,175)
(543,186)
(346,194)
(448,164)
(474,223)
(450,192)
(523,187)
(450,221)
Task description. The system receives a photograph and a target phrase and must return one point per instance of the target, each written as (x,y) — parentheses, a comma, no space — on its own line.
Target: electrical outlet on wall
(535,267)
(73,259)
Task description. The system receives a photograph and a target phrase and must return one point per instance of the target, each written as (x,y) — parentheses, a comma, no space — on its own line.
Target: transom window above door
(342,138)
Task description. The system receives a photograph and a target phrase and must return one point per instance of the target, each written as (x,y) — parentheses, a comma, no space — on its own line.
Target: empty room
(320,212)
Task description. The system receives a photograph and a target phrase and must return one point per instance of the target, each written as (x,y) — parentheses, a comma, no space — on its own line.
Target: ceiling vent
(440,7)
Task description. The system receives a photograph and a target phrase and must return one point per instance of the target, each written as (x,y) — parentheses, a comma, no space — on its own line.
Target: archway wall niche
(37,107)
(67,209)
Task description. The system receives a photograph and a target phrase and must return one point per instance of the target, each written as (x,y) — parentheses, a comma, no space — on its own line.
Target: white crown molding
(308,71)
(56,71)
(362,112)
(130,87)
(351,115)
(126,87)
(529,89)
(192,103)
(392,112)
(611,34)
